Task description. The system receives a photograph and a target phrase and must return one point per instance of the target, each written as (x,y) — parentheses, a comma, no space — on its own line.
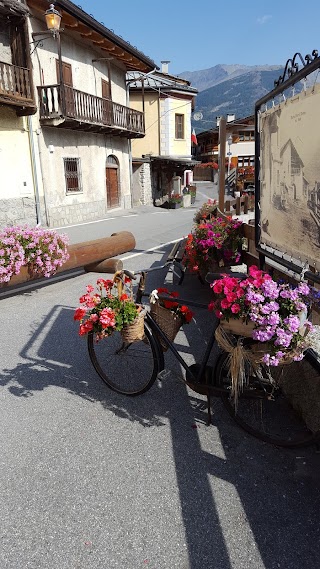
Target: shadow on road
(243,503)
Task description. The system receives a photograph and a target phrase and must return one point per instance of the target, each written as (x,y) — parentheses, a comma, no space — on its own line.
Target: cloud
(264,19)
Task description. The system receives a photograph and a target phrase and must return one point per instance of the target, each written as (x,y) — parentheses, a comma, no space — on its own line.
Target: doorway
(112,182)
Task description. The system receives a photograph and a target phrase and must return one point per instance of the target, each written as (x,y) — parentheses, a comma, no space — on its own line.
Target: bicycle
(262,409)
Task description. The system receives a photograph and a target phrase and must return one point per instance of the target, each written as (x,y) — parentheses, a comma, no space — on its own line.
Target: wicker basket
(169,322)
(238,327)
(134,332)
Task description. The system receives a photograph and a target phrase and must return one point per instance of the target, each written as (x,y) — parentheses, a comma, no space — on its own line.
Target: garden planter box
(175,205)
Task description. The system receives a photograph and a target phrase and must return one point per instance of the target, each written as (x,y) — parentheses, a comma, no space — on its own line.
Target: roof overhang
(174,160)
(87,29)
(13,7)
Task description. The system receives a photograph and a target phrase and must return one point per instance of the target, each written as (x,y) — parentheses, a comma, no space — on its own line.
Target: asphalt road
(94,480)
(176,223)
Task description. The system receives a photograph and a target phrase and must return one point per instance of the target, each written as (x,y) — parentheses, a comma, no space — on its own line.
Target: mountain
(236,95)
(206,78)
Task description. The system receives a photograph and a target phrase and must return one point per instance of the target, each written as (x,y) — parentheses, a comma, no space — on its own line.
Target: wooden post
(222,161)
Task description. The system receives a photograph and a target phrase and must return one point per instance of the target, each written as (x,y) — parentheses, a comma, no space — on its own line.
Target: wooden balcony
(16,88)
(66,107)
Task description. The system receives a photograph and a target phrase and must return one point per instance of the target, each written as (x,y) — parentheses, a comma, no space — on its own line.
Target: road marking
(149,250)
(131,215)
(87,223)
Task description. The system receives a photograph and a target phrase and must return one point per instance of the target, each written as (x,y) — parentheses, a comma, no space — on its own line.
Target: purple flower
(293,323)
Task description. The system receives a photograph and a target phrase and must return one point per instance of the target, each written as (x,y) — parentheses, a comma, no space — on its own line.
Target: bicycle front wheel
(129,369)
(262,408)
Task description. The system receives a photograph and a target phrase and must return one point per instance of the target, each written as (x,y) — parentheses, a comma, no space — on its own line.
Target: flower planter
(238,327)
(186,200)
(23,276)
(169,322)
(175,205)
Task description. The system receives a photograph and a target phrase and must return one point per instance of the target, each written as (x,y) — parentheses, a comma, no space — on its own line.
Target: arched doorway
(112,182)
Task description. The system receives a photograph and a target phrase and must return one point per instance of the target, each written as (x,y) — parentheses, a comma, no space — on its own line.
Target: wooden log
(82,254)
(106,266)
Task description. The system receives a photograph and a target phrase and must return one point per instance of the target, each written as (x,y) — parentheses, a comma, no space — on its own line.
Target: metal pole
(222,159)
(62,96)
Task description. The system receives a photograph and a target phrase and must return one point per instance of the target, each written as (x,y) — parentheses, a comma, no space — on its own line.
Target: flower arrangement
(175,198)
(277,311)
(216,241)
(103,311)
(180,310)
(42,250)
(206,211)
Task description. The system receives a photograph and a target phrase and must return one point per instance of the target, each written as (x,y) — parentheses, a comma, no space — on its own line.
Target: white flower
(154,296)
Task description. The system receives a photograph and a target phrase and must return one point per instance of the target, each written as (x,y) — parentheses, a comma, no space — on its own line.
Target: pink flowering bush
(217,240)
(278,311)
(42,250)
(103,311)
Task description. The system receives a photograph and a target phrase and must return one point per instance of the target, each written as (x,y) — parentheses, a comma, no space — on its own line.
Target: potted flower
(206,211)
(175,201)
(109,308)
(213,244)
(272,313)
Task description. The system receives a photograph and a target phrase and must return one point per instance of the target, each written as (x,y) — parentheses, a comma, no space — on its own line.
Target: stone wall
(61,216)
(18,211)
(145,180)
(142,187)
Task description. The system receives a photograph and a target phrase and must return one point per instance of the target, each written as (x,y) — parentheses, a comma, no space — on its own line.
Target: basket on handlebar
(134,331)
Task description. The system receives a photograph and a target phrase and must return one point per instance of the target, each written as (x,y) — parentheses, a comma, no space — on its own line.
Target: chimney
(231,117)
(164,68)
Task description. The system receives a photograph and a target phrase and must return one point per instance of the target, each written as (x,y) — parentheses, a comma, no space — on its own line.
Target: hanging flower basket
(168,314)
(238,327)
(275,313)
(169,322)
(133,332)
(111,308)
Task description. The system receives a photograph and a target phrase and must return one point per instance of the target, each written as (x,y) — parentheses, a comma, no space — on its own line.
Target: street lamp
(53,20)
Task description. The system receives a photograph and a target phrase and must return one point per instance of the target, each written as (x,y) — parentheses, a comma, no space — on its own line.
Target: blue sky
(198,35)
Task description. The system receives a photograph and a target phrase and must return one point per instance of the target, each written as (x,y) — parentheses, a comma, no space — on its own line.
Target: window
(106,91)
(179,126)
(245,161)
(72,175)
(246,135)
(66,73)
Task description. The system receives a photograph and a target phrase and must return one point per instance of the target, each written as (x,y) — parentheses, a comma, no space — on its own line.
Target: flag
(194,137)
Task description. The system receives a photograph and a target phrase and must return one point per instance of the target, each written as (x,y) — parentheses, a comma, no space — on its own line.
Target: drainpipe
(130,155)
(34,169)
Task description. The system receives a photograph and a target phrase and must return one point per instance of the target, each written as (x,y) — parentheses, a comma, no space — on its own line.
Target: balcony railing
(79,110)
(15,86)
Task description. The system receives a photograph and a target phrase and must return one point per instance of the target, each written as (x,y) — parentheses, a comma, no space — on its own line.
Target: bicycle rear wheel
(262,409)
(129,369)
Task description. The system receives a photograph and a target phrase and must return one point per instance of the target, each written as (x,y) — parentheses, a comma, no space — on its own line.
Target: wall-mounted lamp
(53,19)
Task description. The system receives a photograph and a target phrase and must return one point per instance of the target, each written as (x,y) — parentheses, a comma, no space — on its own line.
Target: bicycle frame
(155,327)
